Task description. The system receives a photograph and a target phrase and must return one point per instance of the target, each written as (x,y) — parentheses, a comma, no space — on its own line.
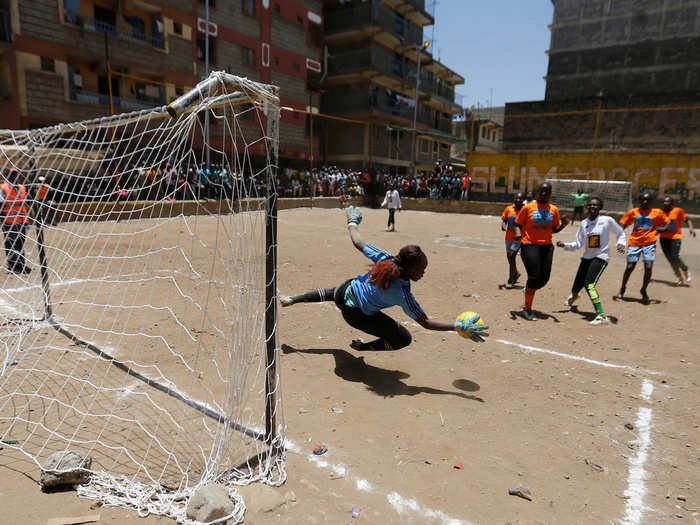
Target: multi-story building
(53,56)
(616,55)
(372,56)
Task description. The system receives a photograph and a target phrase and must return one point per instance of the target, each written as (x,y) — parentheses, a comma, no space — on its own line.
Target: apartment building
(373,49)
(53,57)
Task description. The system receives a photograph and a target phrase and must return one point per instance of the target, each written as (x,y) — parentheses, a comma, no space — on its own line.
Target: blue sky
(495,45)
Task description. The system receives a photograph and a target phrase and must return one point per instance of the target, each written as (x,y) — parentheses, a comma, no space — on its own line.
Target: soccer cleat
(285,300)
(571,299)
(687,275)
(620,294)
(599,319)
(527,314)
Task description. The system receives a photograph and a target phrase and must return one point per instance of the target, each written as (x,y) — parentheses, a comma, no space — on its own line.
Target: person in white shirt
(593,234)
(393,202)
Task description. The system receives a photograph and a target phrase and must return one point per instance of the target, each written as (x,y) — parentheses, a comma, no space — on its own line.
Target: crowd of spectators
(169,182)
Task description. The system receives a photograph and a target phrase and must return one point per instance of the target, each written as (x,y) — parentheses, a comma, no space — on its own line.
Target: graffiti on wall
(497,176)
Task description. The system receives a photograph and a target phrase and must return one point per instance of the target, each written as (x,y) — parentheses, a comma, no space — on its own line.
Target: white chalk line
(605,364)
(636,488)
(400,504)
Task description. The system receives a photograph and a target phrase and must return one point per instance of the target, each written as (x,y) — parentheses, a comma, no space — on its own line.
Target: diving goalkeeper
(387,284)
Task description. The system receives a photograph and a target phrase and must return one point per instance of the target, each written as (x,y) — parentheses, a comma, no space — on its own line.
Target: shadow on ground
(383,382)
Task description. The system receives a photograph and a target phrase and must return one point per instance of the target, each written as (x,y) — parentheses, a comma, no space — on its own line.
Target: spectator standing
(15,219)
(393,202)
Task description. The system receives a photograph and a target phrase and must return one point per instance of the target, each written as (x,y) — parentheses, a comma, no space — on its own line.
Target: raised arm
(355,236)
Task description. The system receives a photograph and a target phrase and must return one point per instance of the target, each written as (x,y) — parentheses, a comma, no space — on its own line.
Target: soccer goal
(616,195)
(145,334)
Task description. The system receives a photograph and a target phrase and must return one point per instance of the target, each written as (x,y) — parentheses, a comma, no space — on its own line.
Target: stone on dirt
(65,468)
(209,503)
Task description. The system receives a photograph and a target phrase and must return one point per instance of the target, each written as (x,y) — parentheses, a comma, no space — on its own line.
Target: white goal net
(137,326)
(616,195)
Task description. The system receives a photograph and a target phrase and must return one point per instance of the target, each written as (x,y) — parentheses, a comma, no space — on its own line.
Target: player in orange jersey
(534,226)
(671,239)
(512,246)
(642,241)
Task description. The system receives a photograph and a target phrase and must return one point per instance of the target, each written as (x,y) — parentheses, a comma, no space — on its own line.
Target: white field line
(605,364)
(636,489)
(402,506)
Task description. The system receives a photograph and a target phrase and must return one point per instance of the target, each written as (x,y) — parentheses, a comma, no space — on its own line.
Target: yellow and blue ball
(467,320)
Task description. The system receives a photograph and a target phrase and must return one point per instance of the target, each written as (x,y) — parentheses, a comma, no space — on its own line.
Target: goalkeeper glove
(353,215)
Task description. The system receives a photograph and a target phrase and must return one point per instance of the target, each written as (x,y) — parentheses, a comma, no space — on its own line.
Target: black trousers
(384,328)
(589,271)
(15,235)
(537,260)
(392,212)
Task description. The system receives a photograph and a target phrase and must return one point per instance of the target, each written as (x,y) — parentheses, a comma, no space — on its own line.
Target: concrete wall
(623,48)
(621,126)
(497,177)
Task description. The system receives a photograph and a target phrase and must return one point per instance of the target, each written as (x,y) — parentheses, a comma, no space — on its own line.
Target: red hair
(383,273)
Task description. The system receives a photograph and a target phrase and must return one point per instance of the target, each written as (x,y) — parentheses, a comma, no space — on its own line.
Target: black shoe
(645,297)
(620,294)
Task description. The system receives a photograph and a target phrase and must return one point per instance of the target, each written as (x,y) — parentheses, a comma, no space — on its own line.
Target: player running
(534,226)
(387,284)
(642,242)
(671,239)
(593,234)
(512,246)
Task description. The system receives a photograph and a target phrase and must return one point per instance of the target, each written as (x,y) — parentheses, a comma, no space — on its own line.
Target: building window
(47,64)
(249,7)
(425,146)
(400,24)
(201,48)
(483,133)
(316,35)
(177,28)
(300,20)
(248,57)
(277,61)
(105,20)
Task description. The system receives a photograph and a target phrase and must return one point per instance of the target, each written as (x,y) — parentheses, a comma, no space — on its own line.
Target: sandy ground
(599,423)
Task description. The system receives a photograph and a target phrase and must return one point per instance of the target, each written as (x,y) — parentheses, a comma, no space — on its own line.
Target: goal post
(143,332)
(616,195)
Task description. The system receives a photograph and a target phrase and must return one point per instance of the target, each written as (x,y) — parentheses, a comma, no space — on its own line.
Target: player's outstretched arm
(691,231)
(476,332)
(355,236)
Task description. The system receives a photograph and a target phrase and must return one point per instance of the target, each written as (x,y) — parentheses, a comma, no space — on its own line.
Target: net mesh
(616,195)
(138,336)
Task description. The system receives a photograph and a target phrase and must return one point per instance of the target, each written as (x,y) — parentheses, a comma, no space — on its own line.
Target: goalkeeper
(387,284)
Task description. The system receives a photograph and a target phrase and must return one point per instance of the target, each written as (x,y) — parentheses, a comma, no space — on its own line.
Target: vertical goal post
(162,362)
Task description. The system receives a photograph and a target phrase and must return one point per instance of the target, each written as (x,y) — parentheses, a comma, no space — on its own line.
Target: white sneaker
(600,319)
(571,300)
(285,300)
(687,275)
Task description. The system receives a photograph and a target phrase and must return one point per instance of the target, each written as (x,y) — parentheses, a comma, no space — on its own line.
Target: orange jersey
(508,216)
(646,223)
(537,222)
(676,217)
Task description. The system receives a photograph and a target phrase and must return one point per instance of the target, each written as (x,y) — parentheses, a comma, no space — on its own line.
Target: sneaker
(645,297)
(285,300)
(527,314)
(687,275)
(620,294)
(599,319)
(680,281)
(571,300)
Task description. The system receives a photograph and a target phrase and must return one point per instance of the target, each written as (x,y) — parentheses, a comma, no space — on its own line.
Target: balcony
(380,101)
(368,19)
(123,32)
(130,104)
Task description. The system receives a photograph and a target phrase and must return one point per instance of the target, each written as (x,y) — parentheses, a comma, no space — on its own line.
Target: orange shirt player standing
(647,222)
(534,226)
(512,246)
(672,238)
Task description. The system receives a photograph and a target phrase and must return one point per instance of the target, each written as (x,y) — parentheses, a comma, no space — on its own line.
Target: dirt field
(599,423)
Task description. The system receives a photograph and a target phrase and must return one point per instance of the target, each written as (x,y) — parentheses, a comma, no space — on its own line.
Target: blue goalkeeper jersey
(371,299)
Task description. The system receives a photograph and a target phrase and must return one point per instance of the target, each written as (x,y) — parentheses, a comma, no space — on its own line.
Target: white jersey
(392,200)
(594,235)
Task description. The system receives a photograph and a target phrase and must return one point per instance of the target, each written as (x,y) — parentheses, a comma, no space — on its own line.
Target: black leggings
(392,218)
(538,263)
(589,271)
(390,334)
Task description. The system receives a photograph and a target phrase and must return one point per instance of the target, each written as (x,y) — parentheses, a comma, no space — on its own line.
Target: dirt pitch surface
(600,423)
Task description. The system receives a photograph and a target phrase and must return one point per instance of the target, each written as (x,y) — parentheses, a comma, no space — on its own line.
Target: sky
(498,46)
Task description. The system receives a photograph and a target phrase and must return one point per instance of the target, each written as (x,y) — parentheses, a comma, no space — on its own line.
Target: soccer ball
(468,320)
